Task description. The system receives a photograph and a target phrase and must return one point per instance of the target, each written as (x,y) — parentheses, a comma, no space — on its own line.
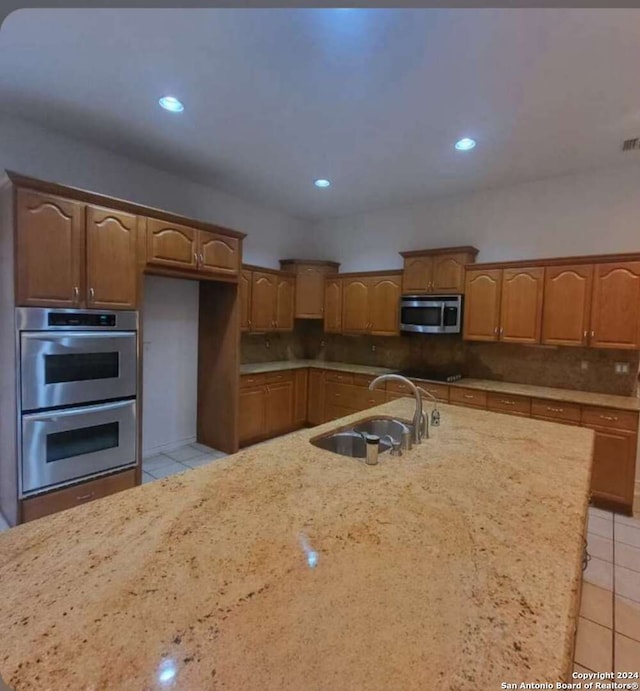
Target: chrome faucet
(417,416)
(435,413)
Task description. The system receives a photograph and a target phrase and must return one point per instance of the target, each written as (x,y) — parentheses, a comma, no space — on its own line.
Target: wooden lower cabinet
(315,403)
(279,402)
(300,396)
(506,403)
(468,397)
(252,417)
(614,459)
(68,497)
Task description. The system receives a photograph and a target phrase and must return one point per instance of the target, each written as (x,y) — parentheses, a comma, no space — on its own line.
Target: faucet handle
(435,417)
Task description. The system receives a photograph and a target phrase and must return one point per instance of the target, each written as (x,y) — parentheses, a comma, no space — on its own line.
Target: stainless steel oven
(60,446)
(77,394)
(438,314)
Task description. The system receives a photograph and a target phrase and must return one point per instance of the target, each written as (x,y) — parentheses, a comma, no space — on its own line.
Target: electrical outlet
(584,365)
(267,343)
(373,349)
(621,368)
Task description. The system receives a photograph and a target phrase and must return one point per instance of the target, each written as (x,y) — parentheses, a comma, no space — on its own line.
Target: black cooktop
(434,374)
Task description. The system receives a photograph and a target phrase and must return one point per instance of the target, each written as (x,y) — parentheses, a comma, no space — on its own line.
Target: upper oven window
(80,367)
(421,316)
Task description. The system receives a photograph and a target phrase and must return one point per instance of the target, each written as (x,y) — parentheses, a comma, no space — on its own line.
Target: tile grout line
(613,597)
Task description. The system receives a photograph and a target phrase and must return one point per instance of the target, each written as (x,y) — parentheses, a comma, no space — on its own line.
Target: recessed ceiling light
(171,104)
(465,144)
(321,182)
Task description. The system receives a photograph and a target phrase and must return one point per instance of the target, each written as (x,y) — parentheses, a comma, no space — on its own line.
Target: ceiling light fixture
(171,103)
(321,182)
(465,144)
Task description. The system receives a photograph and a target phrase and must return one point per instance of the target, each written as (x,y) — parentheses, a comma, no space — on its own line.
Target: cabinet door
(279,408)
(482,304)
(310,292)
(49,251)
(301,387)
(112,270)
(615,307)
(244,294)
(219,254)
(448,273)
(315,406)
(355,305)
(521,306)
(418,275)
(612,475)
(252,421)
(333,305)
(384,305)
(171,245)
(263,301)
(285,295)
(567,303)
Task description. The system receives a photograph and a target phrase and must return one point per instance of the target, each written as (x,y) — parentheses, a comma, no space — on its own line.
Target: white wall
(170,363)
(590,213)
(170,306)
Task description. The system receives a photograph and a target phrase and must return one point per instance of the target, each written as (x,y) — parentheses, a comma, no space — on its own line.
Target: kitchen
(528,339)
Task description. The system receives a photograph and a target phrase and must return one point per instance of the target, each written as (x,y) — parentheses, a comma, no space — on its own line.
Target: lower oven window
(78,442)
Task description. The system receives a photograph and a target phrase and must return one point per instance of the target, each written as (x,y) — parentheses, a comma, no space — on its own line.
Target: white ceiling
(371,99)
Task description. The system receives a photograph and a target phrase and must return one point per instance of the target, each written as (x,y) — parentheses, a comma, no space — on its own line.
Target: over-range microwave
(435,314)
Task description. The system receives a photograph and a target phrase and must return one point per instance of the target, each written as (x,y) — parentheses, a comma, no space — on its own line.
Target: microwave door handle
(442,315)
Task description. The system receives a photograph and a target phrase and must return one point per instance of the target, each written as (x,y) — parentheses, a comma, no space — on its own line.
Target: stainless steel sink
(347,443)
(381,426)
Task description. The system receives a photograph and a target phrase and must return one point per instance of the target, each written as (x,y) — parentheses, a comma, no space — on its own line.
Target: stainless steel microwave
(431,314)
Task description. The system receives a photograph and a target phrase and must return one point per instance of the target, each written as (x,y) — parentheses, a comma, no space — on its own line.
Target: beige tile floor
(608,638)
(177,461)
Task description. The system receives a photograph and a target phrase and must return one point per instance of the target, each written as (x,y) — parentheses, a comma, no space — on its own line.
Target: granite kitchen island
(286,567)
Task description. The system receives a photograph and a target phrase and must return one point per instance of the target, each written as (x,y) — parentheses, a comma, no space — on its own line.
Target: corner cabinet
(615,306)
(70,254)
(436,270)
(333,305)
(309,285)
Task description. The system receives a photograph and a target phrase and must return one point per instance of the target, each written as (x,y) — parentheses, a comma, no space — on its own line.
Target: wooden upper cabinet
(355,305)
(218,253)
(172,245)
(49,250)
(567,304)
(615,306)
(263,301)
(310,276)
(333,305)
(436,270)
(483,290)
(244,295)
(285,294)
(521,306)
(418,274)
(384,305)
(112,269)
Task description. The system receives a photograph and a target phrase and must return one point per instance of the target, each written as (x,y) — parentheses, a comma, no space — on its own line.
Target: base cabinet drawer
(67,498)
(469,397)
(506,403)
(440,391)
(608,417)
(555,411)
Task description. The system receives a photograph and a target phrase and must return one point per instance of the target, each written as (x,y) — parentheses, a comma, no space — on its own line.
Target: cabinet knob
(495,331)
(201,258)
(501,330)
(195,258)
(76,293)
(92,294)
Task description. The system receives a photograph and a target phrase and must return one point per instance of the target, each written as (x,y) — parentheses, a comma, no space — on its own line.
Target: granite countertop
(554,394)
(286,567)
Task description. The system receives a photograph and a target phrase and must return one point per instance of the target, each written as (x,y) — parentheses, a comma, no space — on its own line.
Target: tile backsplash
(584,369)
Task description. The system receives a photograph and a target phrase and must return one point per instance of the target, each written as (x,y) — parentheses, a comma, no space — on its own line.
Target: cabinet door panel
(244,290)
(171,245)
(218,254)
(310,292)
(333,305)
(521,306)
(355,305)
(448,273)
(252,423)
(567,303)
(417,275)
(263,301)
(612,476)
(384,305)
(112,270)
(315,406)
(285,296)
(279,407)
(49,250)
(615,310)
(301,384)
(482,304)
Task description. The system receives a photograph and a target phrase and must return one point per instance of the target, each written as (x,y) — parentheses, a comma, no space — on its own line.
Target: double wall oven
(77,394)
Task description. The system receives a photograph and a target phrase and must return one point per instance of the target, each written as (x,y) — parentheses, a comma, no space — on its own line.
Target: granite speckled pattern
(454,567)
(554,394)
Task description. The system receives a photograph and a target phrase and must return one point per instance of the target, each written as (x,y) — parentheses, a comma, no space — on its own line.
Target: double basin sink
(348,441)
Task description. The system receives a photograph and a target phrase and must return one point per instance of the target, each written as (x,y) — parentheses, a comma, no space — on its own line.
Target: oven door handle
(52,415)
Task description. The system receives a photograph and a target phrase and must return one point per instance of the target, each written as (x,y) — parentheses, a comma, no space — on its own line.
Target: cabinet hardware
(201,257)
(84,497)
(195,257)
(555,410)
(495,330)
(593,333)
(502,400)
(585,334)
(76,293)
(609,417)
(92,294)
(469,395)
(501,330)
